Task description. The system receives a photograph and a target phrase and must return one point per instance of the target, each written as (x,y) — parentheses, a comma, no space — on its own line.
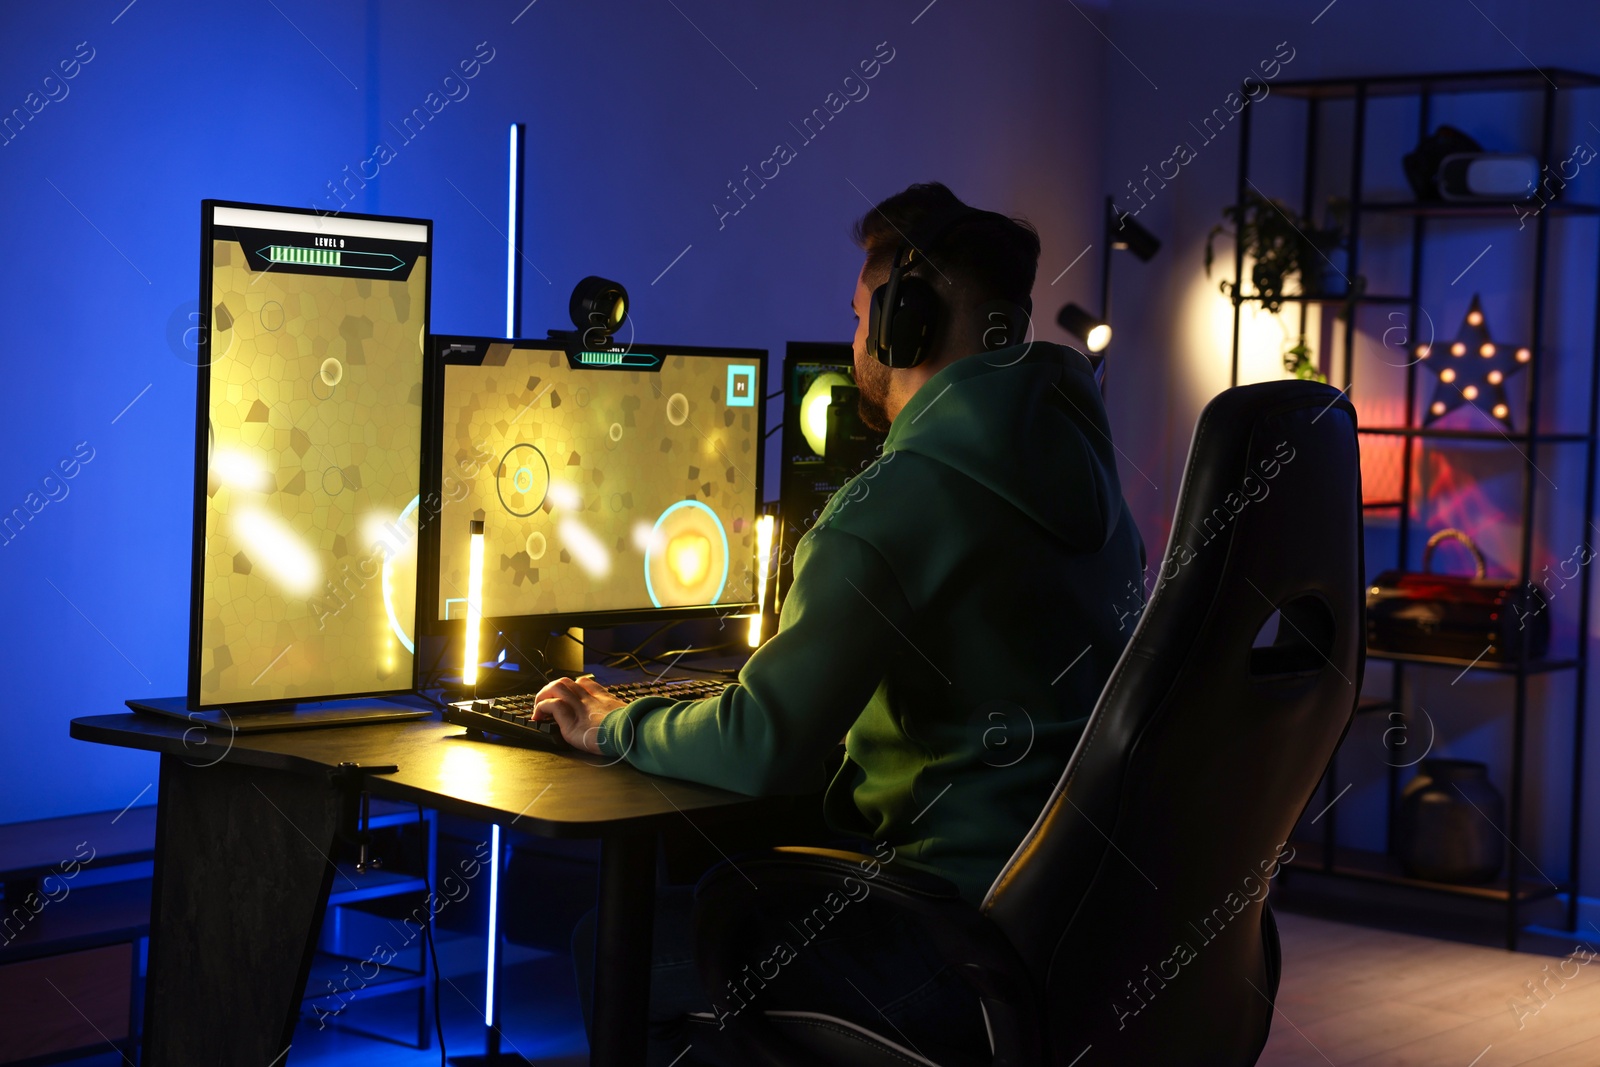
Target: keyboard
(511,717)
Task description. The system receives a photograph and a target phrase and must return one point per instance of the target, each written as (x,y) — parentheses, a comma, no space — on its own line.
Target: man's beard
(872,398)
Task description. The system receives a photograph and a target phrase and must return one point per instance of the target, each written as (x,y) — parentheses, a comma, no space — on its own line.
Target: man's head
(978,260)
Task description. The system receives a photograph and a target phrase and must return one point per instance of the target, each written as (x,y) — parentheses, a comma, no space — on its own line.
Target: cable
(774,430)
(722,672)
(433,952)
(429,681)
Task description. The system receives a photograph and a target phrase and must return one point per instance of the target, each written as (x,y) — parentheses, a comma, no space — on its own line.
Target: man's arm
(796,696)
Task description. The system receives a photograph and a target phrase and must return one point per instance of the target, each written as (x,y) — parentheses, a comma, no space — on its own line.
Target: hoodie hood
(1028,423)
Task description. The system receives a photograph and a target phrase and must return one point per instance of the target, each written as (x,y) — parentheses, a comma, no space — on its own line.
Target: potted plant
(1282,245)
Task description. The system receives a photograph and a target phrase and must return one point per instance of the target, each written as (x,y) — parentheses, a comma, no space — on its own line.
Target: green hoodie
(954,614)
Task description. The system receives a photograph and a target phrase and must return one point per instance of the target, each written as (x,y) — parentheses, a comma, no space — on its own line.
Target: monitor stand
(259,718)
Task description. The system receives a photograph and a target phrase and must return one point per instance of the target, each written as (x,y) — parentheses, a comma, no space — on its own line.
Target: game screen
(313,372)
(601,488)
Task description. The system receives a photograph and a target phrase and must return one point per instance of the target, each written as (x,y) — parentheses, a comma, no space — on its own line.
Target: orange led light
(1486,349)
(1475,318)
(1458,349)
(1523,355)
(1447,375)
(1501,411)
(1438,407)
(1470,392)
(1495,377)
(1423,351)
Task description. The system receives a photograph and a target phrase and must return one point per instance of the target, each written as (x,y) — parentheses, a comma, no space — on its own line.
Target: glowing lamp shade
(764,526)
(1094,332)
(469,654)
(814,409)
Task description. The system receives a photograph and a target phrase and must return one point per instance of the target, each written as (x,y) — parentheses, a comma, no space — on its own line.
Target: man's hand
(578,706)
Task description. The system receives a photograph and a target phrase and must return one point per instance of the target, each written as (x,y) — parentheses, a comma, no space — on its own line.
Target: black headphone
(904,310)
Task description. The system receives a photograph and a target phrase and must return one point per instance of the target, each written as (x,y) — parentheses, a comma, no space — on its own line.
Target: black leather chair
(1130,926)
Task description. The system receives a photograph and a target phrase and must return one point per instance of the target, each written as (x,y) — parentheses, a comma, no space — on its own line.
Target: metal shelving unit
(1511,890)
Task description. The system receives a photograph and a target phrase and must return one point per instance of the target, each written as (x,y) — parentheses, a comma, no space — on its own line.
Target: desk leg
(241,883)
(622,949)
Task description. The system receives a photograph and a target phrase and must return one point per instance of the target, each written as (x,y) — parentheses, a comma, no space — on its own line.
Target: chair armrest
(729,895)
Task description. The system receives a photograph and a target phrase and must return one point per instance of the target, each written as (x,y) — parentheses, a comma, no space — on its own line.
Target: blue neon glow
(511,236)
(649,588)
(494,922)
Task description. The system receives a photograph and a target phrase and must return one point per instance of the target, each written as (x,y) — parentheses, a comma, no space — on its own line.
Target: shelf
(89,917)
(331,968)
(382,813)
(1471,81)
(1347,298)
(1379,505)
(371,885)
(1366,704)
(1475,435)
(35,849)
(1477,209)
(1370,866)
(1538,666)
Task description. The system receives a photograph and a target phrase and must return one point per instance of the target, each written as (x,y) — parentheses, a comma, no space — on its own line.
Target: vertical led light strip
(514,232)
(763,561)
(494,922)
(469,645)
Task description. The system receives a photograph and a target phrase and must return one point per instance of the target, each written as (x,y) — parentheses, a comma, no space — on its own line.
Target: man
(954,610)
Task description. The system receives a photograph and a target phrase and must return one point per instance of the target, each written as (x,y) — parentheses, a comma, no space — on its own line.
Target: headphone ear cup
(911,327)
(875,337)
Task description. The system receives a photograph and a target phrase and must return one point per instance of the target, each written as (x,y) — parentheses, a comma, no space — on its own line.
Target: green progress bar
(317,257)
(617,359)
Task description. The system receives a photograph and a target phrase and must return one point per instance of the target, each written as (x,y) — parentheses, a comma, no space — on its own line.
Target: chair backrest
(1136,900)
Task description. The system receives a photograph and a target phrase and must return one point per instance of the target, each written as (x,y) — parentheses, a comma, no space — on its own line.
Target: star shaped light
(1473,370)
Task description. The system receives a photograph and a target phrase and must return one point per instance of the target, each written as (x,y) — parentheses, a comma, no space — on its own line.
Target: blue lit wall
(638,116)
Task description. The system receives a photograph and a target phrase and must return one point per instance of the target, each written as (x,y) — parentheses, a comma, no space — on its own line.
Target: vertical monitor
(612,486)
(308,454)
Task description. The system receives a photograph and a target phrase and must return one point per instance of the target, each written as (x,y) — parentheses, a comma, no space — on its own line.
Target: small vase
(1448,827)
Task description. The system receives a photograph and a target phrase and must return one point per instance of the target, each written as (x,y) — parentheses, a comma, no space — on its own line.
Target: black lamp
(1121,232)
(1078,321)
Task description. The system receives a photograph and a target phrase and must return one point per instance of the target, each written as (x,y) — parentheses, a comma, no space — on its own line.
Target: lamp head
(1094,332)
(1124,232)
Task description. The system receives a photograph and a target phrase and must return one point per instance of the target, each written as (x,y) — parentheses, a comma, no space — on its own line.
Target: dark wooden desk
(245,827)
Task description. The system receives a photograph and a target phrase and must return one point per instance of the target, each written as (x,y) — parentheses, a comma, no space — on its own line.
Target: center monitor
(611,486)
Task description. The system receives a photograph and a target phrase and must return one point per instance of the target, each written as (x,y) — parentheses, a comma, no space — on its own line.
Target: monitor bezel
(202,424)
(427,625)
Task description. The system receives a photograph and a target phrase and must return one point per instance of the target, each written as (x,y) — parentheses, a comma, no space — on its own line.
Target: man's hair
(985,257)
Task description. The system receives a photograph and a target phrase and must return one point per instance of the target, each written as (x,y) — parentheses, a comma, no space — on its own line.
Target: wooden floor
(1352,995)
